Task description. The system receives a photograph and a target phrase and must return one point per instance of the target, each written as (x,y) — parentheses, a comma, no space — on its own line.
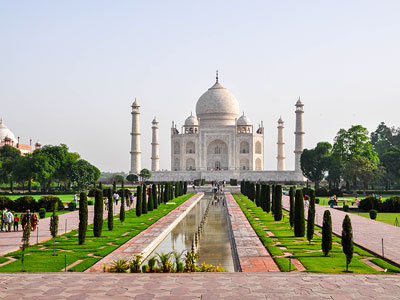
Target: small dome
(135,103)
(217,104)
(6,133)
(280,120)
(191,121)
(243,121)
(38,144)
(155,121)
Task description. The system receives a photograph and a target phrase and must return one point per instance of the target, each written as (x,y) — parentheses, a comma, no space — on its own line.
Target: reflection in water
(214,245)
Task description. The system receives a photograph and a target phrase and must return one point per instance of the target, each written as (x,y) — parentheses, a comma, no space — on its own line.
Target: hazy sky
(70,70)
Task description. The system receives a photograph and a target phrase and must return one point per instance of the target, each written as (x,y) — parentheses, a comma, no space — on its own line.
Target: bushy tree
(144,200)
(132,178)
(326,233)
(278,203)
(347,240)
(292,192)
(98,213)
(145,174)
(311,217)
(138,201)
(299,223)
(83,217)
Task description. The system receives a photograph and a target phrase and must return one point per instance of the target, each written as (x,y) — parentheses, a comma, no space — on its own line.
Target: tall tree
(263,193)
(54,225)
(83,217)
(268,199)
(278,203)
(25,241)
(299,223)
(122,207)
(150,204)
(311,217)
(347,240)
(145,174)
(110,213)
(98,213)
(138,201)
(155,198)
(326,244)
(314,162)
(144,200)
(9,157)
(292,192)
(258,194)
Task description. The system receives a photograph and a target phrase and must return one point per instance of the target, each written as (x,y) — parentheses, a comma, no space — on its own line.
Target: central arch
(217,155)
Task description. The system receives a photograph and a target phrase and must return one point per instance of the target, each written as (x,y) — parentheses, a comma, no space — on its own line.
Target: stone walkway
(146,241)
(367,233)
(252,255)
(11,241)
(205,286)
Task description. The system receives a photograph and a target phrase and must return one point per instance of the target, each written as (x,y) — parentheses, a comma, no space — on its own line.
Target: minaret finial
(216,77)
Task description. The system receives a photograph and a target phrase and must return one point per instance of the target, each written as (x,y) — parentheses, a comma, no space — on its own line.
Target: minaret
(299,134)
(281,146)
(135,140)
(155,156)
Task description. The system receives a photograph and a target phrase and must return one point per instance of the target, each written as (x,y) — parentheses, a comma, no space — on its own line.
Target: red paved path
(205,286)
(253,256)
(11,241)
(147,240)
(367,233)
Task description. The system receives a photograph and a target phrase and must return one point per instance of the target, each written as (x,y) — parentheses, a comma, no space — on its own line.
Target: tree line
(355,156)
(47,165)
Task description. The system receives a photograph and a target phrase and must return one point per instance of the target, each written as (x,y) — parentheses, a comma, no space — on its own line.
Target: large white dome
(219,105)
(5,132)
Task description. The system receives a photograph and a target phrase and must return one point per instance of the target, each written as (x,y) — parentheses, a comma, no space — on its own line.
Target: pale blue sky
(70,70)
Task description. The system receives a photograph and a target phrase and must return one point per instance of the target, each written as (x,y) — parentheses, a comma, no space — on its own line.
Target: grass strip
(39,258)
(309,254)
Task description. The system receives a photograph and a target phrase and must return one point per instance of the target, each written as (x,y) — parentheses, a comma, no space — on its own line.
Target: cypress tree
(311,217)
(273,199)
(155,198)
(150,203)
(176,189)
(263,197)
(98,213)
(162,194)
(83,217)
(291,206)
(139,201)
(347,240)
(299,223)
(110,213)
(241,186)
(268,199)
(122,208)
(278,203)
(54,225)
(252,192)
(114,186)
(326,244)
(144,199)
(185,188)
(166,192)
(258,194)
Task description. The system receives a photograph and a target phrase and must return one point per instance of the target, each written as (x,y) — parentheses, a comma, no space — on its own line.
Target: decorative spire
(216,77)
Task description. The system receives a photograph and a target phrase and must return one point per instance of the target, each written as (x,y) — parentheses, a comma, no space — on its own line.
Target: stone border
(145,242)
(252,255)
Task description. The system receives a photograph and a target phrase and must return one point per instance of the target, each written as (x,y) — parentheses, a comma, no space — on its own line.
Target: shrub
(48,201)
(197,182)
(370,203)
(90,202)
(299,223)
(24,203)
(42,213)
(203,181)
(322,192)
(83,217)
(233,182)
(326,244)
(345,208)
(391,205)
(119,266)
(72,206)
(6,202)
(317,200)
(373,214)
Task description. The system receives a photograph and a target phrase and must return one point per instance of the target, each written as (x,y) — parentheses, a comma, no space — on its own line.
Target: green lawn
(310,255)
(389,218)
(39,258)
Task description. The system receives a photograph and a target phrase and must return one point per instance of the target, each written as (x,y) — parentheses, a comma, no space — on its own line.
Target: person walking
(3,215)
(16,220)
(8,219)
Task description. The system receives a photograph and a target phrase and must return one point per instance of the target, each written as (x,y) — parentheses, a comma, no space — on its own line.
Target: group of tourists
(8,220)
(218,186)
(128,200)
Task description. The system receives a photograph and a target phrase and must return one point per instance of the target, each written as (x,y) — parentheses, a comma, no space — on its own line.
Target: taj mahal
(218,143)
